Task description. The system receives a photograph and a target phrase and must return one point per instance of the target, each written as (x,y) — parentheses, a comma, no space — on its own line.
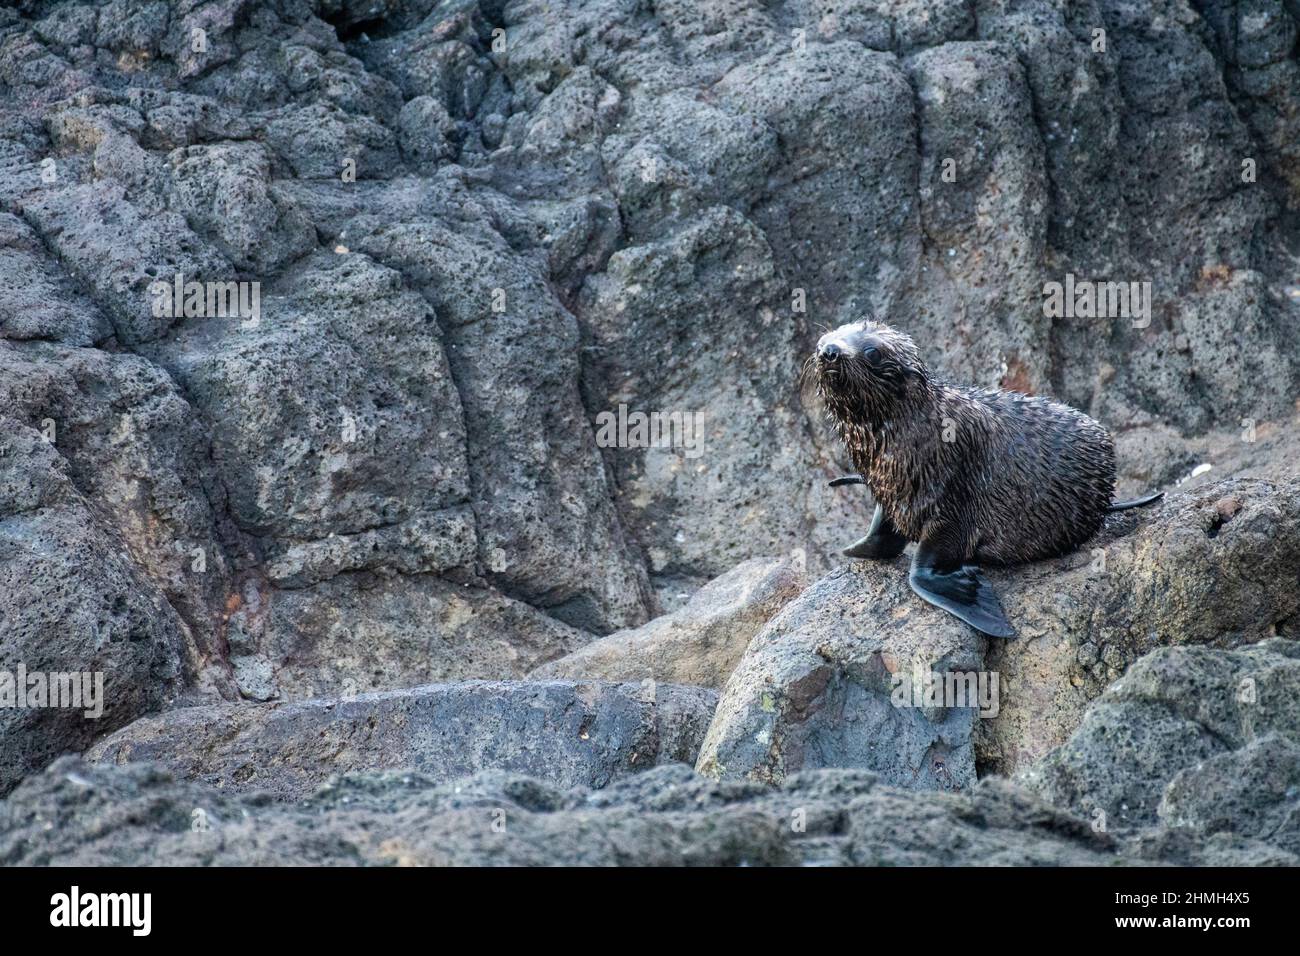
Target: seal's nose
(830,352)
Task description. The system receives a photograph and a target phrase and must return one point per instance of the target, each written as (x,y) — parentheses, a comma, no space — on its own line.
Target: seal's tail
(1136,502)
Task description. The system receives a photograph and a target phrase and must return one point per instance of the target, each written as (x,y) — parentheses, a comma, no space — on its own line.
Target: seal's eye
(871,354)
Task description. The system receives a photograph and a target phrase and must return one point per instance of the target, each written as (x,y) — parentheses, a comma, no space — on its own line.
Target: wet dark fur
(1024,478)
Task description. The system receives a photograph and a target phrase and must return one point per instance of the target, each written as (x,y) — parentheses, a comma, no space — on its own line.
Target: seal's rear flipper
(1136,502)
(881,542)
(960,589)
(847,480)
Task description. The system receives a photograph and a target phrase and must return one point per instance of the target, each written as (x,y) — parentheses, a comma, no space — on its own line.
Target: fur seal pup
(973,475)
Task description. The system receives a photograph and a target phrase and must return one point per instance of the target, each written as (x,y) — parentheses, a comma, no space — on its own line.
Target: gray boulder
(667,816)
(1193,737)
(346,636)
(548,531)
(318,425)
(131,446)
(1251,791)
(72,601)
(697,644)
(76,813)
(1235,807)
(38,301)
(117,250)
(396,477)
(816,687)
(565,732)
(1215,565)
(224,190)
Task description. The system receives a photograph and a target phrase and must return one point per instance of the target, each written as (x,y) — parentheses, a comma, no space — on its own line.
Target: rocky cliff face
(363,483)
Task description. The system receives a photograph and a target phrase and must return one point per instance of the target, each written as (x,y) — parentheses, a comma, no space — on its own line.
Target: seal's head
(866,367)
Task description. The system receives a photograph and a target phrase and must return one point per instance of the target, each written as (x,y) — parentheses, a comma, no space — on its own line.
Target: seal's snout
(830,353)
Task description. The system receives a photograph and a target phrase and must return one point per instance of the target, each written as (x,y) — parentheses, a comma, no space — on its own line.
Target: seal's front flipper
(960,589)
(847,480)
(882,540)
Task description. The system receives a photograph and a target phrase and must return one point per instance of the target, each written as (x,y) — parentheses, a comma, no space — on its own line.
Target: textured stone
(568,733)
(814,688)
(698,644)
(348,637)
(563,209)
(1198,737)
(85,814)
(71,601)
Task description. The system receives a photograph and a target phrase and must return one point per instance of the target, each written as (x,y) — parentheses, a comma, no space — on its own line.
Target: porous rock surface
(565,732)
(475,228)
